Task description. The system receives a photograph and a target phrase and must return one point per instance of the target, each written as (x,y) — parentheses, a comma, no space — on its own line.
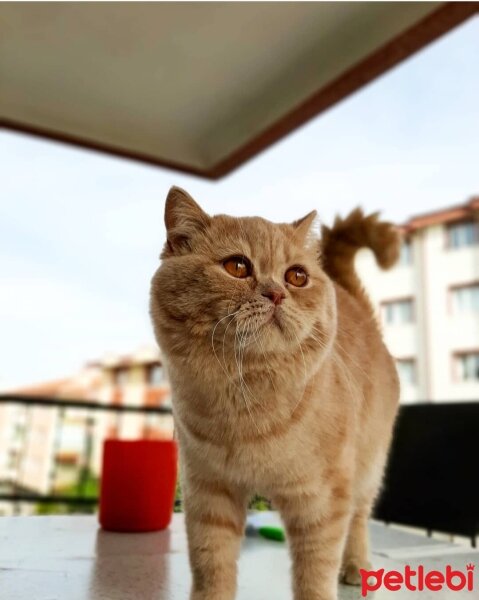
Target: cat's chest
(249,441)
(255,462)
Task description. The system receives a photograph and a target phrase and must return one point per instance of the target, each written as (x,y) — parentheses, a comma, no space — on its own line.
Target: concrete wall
(437,331)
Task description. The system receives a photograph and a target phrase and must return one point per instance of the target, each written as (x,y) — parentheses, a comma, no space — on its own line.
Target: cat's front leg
(215,515)
(316,530)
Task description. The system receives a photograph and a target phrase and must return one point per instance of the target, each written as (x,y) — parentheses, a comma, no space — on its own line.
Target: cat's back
(360,345)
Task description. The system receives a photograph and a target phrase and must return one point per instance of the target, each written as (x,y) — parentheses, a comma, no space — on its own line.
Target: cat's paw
(350,574)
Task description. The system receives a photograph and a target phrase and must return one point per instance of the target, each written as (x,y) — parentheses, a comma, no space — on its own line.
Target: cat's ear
(183,219)
(303,226)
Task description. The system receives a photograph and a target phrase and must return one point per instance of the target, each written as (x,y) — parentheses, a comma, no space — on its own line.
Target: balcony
(69,557)
(64,470)
(239,78)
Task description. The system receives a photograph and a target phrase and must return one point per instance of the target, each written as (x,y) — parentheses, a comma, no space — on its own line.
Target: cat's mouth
(261,317)
(275,320)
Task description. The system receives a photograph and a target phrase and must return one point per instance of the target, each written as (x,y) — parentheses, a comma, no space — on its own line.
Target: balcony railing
(430,481)
(15,489)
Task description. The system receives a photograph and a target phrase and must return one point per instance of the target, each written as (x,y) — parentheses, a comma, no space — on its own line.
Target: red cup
(138,484)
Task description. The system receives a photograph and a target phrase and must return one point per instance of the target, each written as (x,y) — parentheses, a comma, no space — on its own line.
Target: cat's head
(239,282)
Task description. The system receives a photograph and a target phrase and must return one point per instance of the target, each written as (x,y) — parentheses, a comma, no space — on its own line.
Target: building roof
(458,212)
(88,384)
(84,385)
(47,388)
(198,87)
(143,356)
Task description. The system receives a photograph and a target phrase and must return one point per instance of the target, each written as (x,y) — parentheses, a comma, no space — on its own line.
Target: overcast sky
(80,232)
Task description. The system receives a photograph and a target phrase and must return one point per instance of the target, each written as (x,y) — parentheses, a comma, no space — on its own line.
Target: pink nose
(275,295)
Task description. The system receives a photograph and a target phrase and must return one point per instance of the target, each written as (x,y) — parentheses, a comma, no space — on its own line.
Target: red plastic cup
(138,484)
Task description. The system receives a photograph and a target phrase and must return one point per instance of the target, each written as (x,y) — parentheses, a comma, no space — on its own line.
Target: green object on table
(272,533)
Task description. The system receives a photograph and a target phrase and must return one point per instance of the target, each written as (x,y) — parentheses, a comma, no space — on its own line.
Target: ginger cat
(281,385)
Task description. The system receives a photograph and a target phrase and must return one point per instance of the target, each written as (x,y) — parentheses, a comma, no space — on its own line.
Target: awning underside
(197,86)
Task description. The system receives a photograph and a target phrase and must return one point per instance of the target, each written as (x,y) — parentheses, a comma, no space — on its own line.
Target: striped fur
(295,402)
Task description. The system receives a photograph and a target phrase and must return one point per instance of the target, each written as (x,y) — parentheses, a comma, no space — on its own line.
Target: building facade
(428,304)
(45,450)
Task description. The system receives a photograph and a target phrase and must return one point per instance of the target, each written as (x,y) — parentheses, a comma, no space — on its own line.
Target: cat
(281,385)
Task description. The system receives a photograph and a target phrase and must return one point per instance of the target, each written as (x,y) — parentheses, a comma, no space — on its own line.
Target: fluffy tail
(340,243)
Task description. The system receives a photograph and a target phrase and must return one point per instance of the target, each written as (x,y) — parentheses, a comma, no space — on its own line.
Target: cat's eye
(238,266)
(296,276)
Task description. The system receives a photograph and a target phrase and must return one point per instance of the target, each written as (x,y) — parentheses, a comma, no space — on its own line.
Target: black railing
(17,492)
(431,479)
(84,404)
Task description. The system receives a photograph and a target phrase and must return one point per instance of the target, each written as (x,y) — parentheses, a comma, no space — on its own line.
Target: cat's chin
(275,332)
(277,335)
(275,321)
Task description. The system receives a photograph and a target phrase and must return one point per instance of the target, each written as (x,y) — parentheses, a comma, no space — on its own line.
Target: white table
(69,558)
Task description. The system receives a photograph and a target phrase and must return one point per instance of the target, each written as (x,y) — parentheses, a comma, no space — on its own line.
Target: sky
(80,232)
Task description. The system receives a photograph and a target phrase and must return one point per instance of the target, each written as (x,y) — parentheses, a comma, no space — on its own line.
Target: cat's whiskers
(301,395)
(337,343)
(354,362)
(232,315)
(309,458)
(242,344)
(249,334)
(338,360)
(257,339)
(302,353)
(241,379)
(243,337)
(240,336)
(224,339)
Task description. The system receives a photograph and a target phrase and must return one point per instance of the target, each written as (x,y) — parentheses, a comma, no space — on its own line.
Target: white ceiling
(185,83)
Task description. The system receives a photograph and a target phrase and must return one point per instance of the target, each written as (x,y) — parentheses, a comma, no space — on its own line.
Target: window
(468,366)
(465,298)
(120,377)
(155,375)
(19,431)
(461,234)
(406,370)
(405,255)
(151,421)
(398,311)
(12,460)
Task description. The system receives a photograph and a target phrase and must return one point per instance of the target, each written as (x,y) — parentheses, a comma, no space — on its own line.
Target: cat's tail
(340,243)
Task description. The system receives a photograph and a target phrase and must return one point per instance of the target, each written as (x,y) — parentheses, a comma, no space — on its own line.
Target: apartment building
(428,304)
(43,450)
(138,379)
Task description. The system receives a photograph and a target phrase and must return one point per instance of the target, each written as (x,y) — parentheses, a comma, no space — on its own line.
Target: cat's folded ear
(183,220)
(303,227)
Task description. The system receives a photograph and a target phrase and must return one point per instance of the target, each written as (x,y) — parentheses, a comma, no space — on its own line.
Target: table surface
(70,558)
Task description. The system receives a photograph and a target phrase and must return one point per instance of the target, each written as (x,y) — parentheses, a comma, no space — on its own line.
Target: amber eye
(296,276)
(238,266)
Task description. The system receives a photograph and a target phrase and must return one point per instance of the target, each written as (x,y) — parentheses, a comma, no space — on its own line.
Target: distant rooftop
(450,214)
(142,356)
(84,386)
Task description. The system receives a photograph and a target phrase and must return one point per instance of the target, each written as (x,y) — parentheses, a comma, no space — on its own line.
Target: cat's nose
(276,295)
